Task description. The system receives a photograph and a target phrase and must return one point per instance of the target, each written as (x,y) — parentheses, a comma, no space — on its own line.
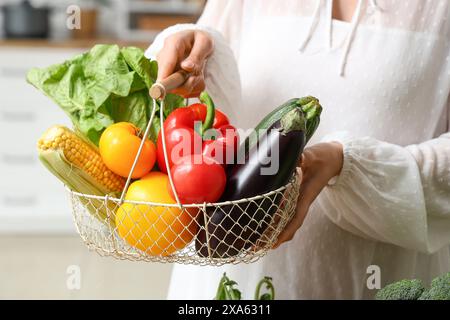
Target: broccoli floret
(439,290)
(401,290)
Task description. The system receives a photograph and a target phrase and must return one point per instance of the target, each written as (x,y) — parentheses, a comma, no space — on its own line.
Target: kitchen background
(39,247)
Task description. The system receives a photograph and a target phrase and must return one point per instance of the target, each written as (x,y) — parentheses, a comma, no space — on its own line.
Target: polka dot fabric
(390,207)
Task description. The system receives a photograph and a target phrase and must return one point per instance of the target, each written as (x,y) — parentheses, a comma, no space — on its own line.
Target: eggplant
(268,165)
(311,109)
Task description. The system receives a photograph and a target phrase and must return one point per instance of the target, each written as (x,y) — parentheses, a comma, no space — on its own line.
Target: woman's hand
(320,163)
(187,50)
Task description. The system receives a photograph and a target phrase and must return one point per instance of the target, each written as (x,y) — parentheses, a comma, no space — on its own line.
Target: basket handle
(166,158)
(158,91)
(141,146)
(175,80)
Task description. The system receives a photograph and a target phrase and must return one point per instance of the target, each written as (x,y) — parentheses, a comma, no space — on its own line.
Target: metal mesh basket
(244,230)
(203,234)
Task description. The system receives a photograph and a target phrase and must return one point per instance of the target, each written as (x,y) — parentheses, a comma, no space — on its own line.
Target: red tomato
(198,180)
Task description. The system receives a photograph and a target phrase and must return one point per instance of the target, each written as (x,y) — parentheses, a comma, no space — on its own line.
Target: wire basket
(243,240)
(230,232)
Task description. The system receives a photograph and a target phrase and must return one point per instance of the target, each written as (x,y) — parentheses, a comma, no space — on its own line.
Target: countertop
(69,43)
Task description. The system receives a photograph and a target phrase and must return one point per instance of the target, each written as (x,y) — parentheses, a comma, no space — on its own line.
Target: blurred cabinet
(31,199)
(142,20)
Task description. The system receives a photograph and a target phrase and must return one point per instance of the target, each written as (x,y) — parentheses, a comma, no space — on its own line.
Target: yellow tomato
(119,145)
(155,230)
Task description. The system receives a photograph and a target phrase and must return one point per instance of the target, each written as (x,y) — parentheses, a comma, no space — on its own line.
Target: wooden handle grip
(160,88)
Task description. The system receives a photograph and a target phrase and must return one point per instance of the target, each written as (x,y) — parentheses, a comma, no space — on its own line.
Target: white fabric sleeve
(399,195)
(226,17)
(221,71)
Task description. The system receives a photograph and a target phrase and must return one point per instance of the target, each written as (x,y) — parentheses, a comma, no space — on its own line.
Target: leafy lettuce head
(105,85)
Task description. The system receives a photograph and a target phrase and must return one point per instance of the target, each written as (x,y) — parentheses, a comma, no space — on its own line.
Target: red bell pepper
(220,118)
(194,160)
(221,146)
(224,147)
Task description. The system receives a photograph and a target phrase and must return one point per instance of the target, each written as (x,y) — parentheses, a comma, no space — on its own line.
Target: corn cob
(79,166)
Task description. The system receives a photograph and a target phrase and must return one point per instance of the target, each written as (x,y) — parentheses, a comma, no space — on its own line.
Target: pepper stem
(210,111)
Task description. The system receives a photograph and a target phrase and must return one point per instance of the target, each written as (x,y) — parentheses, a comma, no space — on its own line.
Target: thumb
(202,48)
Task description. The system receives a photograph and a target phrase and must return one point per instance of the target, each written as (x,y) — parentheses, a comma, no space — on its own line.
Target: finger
(306,160)
(197,90)
(188,88)
(169,57)
(167,62)
(305,199)
(202,48)
(290,230)
(302,160)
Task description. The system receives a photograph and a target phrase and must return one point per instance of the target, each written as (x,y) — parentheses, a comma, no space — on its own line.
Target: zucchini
(311,109)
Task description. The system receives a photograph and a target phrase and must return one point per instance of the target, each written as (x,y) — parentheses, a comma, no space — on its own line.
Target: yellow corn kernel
(82,155)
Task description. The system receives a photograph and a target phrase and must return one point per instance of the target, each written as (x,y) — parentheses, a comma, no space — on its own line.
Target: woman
(376,189)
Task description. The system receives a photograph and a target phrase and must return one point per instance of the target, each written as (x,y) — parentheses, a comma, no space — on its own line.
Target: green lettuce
(103,86)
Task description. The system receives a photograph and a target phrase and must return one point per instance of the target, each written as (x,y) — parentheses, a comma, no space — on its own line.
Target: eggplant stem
(294,120)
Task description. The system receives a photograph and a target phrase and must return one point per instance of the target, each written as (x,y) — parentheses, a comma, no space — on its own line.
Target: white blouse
(384,83)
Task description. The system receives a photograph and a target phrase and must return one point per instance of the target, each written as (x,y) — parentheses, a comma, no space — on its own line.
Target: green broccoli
(439,290)
(401,290)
